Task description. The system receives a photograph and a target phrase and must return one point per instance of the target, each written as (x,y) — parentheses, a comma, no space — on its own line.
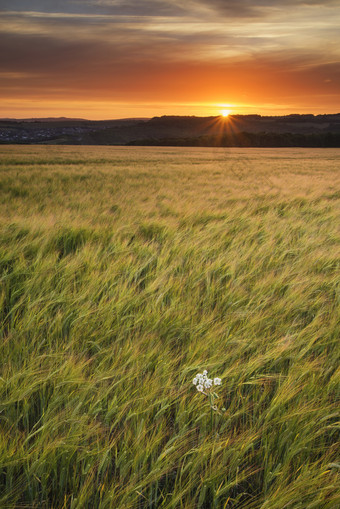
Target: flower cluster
(202,381)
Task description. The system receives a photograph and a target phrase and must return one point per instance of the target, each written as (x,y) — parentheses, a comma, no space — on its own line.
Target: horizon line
(81,119)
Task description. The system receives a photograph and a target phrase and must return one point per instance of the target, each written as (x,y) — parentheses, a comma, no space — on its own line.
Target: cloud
(245,8)
(212,38)
(238,9)
(154,50)
(46,66)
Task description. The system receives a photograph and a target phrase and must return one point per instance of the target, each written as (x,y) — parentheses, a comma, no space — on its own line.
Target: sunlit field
(126,271)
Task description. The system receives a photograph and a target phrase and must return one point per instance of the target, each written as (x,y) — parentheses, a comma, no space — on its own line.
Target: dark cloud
(257,7)
(233,8)
(227,8)
(71,6)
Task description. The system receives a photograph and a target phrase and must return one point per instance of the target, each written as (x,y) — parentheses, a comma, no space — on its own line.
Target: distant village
(37,134)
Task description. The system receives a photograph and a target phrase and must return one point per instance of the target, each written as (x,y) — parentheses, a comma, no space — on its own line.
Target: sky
(101,59)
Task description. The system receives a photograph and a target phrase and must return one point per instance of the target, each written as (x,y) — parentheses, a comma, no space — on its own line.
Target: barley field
(124,272)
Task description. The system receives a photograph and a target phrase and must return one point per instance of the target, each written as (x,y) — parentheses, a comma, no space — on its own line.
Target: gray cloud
(29,37)
(233,8)
(227,8)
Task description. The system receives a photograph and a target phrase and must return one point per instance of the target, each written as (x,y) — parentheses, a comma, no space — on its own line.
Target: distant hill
(235,130)
(68,119)
(43,119)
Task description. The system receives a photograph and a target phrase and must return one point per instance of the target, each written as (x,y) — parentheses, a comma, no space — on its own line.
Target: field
(126,271)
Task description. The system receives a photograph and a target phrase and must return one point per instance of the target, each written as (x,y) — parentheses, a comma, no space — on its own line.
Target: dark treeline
(244,139)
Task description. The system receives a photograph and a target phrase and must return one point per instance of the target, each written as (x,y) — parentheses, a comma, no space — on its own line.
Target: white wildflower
(205,386)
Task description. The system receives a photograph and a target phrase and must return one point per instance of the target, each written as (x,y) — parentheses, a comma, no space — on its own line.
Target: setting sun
(225,113)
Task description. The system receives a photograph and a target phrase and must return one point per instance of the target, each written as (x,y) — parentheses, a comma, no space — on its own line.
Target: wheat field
(126,271)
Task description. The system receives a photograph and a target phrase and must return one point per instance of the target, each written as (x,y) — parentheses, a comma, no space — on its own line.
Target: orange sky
(103,59)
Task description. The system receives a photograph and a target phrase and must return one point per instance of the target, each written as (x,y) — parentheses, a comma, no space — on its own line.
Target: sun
(225,113)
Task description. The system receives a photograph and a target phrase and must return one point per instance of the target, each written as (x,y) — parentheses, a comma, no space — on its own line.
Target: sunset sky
(101,59)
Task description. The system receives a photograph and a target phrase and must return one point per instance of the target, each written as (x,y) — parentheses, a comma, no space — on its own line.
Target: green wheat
(124,272)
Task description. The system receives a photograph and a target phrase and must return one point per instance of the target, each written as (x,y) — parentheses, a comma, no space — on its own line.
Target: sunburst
(225,113)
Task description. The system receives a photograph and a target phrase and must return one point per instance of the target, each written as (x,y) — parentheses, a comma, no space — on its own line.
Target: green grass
(124,272)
